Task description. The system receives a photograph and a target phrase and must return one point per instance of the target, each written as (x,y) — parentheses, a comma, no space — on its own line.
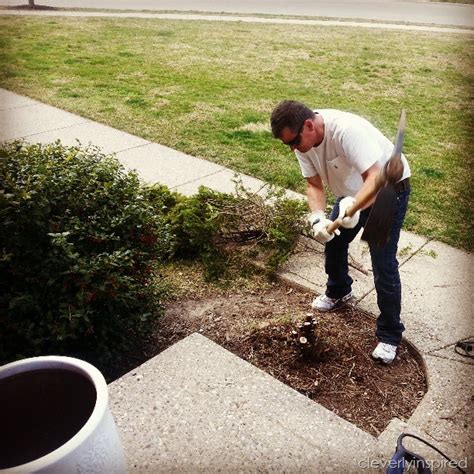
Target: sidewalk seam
(54,129)
(451,344)
(419,249)
(131,148)
(447,358)
(287,272)
(429,239)
(365,295)
(198,179)
(19,106)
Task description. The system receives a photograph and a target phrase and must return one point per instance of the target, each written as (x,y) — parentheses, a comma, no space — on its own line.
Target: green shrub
(78,240)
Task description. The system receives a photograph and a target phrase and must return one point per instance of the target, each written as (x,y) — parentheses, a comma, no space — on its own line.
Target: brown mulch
(257,324)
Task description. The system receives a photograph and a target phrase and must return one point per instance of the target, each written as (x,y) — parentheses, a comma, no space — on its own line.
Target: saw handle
(361,201)
(333,226)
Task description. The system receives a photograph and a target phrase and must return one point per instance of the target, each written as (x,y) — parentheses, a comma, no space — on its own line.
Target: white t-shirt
(351,145)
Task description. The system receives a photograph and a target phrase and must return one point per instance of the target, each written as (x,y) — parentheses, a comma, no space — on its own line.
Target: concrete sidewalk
(196,407)
(233,18)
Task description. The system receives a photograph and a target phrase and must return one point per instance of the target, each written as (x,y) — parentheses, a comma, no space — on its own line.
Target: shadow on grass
(30,7)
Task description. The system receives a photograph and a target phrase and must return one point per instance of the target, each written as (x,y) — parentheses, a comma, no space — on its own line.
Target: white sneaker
(385,352)
(324,303)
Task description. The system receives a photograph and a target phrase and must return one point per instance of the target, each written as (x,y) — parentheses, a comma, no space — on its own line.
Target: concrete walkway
(198,408)
(244,19)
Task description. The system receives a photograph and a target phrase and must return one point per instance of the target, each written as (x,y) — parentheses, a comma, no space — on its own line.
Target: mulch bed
(257,326)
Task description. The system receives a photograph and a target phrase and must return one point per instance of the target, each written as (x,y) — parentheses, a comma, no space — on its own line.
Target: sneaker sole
(341,302)
(381,361)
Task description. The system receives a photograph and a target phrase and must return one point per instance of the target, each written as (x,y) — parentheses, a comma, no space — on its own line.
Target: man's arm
(315,194)
(369,176)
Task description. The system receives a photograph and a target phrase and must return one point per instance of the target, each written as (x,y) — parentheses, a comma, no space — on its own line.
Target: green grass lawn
(207,89)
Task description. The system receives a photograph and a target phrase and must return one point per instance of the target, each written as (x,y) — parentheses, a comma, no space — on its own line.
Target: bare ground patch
(256,323)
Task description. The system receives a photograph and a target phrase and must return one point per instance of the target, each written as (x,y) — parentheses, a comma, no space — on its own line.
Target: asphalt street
(423,12)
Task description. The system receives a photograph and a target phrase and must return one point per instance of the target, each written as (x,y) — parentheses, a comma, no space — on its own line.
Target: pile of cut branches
(220,228)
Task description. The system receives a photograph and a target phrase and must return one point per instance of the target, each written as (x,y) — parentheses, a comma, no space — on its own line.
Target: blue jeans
(385,267)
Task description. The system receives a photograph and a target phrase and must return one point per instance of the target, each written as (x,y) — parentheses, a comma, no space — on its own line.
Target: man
(345,152)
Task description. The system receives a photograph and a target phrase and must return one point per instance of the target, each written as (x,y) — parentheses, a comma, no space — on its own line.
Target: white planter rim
(74,365)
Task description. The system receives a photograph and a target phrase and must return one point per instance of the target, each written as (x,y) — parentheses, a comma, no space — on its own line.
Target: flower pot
(55,418)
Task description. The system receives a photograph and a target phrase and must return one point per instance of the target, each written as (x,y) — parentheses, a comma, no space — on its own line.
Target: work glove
(319,223)
(348,222)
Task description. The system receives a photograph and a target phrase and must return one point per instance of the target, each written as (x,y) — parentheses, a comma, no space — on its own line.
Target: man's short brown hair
(291,114)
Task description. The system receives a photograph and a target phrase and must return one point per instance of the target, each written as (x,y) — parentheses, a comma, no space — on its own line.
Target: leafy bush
(78,238)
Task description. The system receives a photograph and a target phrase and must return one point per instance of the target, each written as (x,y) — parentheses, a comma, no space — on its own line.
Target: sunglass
(297,140)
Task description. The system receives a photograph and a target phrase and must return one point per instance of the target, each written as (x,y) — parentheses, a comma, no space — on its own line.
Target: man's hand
(319,223)
(348,222)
